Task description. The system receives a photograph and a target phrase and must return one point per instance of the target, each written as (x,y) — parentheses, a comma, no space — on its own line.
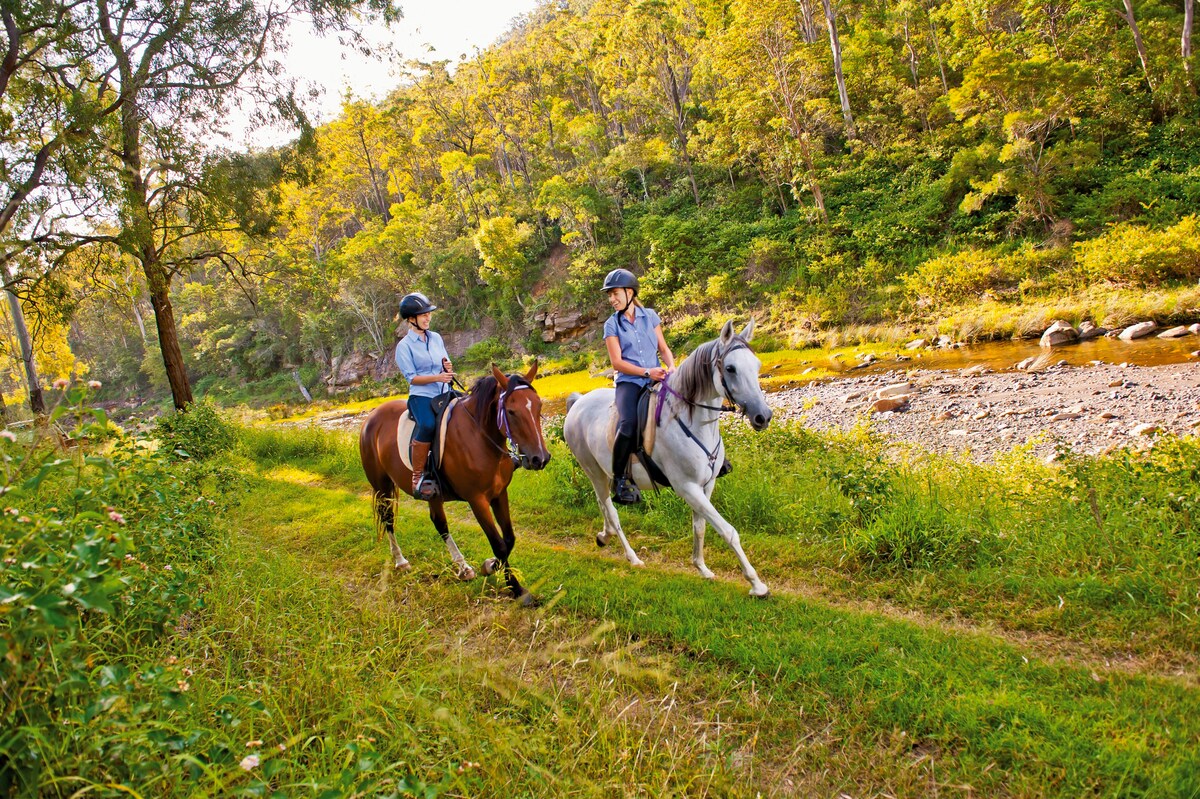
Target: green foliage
(1139,256)
(197,432)
(103,554)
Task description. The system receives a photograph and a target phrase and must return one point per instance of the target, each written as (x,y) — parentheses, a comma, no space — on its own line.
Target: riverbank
(1090,409)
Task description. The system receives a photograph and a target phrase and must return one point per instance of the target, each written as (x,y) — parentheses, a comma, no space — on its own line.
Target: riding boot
(725,469)
(424,487)
(624,491)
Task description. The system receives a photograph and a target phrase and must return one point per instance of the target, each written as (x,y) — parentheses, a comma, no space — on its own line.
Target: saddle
(645,435)
(443,406)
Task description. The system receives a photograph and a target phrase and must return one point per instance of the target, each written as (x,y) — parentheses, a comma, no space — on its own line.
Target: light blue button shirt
(639,342)
(416,357)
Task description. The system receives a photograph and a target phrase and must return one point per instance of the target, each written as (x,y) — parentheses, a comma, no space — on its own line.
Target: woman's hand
(447,366)
(658,374)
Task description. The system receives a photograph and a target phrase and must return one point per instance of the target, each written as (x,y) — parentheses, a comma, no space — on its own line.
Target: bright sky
(452,28)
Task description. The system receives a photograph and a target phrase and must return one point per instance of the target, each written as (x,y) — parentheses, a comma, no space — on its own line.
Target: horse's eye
(731,370)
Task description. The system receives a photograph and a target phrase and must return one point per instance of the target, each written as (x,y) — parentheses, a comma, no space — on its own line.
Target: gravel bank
(1090,408)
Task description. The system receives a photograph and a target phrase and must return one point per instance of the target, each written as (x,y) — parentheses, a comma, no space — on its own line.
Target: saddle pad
(648,428)
(407,426)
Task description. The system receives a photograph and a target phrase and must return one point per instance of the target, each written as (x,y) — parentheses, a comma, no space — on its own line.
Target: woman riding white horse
(687,447)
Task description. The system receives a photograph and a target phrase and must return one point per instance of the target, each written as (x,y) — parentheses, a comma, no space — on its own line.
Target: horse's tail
(383,489)
(575,395)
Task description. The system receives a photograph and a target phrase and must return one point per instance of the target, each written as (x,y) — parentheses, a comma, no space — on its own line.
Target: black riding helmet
(620,279)
(415,304)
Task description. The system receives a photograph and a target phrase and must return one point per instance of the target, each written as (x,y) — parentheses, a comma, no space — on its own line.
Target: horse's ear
(532,373)
(500,378)
(727,332)
(748,330)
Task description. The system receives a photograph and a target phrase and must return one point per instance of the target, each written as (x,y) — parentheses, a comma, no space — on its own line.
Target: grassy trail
(653,682)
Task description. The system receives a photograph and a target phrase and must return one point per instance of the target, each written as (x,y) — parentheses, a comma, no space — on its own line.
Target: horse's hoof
(403,566)
(466,573)
(760,591)
(707,574)
(527,600)
(637,562)
(601,539)
(490,566)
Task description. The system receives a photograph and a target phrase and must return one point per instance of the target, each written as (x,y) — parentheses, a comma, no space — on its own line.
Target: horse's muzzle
(760,420)
(535,462)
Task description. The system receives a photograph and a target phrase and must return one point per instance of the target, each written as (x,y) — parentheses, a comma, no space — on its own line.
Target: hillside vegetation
(884,166)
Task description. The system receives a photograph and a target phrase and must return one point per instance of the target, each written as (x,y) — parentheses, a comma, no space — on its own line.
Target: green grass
(655,682)
(914,645)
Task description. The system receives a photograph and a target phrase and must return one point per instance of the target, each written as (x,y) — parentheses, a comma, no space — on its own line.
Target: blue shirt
(638,340)
(416,357)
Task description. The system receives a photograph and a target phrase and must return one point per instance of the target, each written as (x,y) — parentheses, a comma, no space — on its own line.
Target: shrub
(198,431)
(102,554)
(1140,256)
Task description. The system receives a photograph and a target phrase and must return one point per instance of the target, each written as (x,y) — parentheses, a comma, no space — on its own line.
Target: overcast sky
(452,28)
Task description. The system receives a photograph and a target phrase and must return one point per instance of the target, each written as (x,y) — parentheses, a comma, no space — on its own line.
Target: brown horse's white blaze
(495,429)
(687,445)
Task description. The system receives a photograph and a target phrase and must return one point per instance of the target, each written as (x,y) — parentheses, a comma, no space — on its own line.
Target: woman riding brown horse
(497,428)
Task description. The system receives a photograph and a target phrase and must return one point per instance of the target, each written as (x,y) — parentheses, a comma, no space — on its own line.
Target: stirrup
(725,469)
(626,493)
(426,489)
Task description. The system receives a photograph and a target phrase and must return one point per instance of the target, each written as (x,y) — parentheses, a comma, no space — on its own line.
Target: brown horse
(495,429)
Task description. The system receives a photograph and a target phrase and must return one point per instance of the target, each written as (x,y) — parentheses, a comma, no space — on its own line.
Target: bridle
(719,362)
(510,447)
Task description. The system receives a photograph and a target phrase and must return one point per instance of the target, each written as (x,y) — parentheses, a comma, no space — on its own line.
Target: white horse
(687,446)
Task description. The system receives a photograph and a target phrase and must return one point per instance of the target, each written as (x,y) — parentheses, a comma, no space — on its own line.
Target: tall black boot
(624,492)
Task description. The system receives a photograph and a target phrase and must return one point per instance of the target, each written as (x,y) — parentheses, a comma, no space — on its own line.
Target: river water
(782,372)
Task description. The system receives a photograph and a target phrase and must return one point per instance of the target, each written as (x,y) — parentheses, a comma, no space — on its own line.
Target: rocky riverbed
(1091,409)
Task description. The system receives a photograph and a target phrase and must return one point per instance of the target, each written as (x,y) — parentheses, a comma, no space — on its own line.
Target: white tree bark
(836,45)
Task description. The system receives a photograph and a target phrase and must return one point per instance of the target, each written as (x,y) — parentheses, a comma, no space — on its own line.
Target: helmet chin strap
(412,322)
(632,297)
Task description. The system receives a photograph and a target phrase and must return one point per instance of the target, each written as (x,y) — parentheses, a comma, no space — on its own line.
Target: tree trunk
(168,338)
(1185,39)
(836,46)
(37,403)
(1137,42)
(937,51)
(303,390)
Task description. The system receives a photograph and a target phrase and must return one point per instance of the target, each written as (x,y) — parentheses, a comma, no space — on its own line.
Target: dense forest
(822,164)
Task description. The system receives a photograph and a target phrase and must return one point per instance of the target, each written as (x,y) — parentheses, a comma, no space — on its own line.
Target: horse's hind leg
(385,514)
(437,514)
(612,522)
(695,496)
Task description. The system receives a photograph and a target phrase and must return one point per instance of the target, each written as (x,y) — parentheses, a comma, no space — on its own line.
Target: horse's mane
(694,375)
(485,390)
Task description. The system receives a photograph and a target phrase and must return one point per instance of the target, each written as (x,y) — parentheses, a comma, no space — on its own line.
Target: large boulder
(1140,330)
(347,370)
(1088,331)
(1058,334)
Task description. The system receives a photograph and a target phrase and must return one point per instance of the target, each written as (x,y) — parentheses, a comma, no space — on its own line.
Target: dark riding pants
(627,408)
(421,409)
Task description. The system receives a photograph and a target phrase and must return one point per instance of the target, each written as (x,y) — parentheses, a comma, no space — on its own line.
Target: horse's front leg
(483,515)
(695,496)
(437,514)
(499,507)
(698,525)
